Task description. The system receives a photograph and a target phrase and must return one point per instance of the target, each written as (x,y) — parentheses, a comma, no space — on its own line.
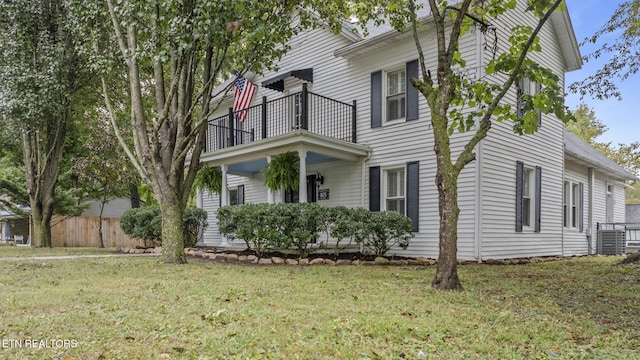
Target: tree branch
(467,155)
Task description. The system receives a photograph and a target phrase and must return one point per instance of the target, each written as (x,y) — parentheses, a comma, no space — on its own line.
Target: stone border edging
(274,260)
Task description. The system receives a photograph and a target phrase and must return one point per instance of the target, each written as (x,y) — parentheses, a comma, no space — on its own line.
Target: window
(574,205)
(566,195)
(610,203)
(528,197)
(395,96)
(398,189)
(394,196)
(233,196)
(525,89)
(572,209)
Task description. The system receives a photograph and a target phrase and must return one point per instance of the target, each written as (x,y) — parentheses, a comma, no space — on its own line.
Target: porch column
(302,189)
(224,196)
(270,195)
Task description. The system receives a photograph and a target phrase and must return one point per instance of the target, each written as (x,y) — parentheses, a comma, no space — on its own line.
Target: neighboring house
(345,105)
(113,208)
(14,227)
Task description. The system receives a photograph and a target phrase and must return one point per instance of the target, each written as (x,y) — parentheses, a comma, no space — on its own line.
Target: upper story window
(525,89)
(395,96)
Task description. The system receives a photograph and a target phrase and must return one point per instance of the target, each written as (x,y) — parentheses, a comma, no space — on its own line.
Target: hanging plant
(283,170)
(210,179)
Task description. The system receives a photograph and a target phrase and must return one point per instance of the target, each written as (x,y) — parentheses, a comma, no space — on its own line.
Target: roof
(7,214)
(383,34)
(579,149)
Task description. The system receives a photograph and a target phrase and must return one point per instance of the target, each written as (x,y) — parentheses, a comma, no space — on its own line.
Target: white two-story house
(344,104)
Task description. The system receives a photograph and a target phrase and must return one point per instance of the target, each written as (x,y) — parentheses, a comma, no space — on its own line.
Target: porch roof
(251,158)
(277,82)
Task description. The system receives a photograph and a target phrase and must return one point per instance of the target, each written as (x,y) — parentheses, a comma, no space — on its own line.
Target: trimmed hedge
(146,223)
(281,226)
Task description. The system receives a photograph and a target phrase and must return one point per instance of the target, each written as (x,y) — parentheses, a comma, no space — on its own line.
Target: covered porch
(14,228)
(248,160)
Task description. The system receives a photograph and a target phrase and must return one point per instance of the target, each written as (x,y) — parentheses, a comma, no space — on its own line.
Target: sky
(621,118)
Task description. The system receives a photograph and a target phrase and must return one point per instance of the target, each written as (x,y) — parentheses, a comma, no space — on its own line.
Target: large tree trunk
(41,236)
(172,234)
(42,164)
(446,273)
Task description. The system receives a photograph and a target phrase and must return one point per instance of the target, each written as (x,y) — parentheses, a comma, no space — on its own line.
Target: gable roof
(579,149)
(383,34)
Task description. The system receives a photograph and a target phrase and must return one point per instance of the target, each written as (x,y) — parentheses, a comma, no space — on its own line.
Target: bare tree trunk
(446,277)
(172,234)
(100,235)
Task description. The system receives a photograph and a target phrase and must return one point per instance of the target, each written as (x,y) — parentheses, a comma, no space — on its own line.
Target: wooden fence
(82,231)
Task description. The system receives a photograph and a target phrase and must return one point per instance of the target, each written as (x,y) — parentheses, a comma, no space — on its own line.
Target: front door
(291,196)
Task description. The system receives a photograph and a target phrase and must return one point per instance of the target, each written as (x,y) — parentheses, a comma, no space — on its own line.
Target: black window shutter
(581,209)
(376,99)
(538,90)
(411,92)
(240,194)
(413,193)
(519,185)
(538,213)
(374,188)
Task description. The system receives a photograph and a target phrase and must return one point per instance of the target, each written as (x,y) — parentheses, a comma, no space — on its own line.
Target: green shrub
(300,225)
(346,226)
(194,225)
(143,223)
(146,223)
(283,226)
(386,229)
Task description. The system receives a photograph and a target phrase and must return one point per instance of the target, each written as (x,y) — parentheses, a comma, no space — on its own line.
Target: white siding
(491,178)
(599,201)
(576,242)
(619,208)
(502,148)
(398,143)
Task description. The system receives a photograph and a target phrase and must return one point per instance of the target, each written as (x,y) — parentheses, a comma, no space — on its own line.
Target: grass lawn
(28,251)
(139,308)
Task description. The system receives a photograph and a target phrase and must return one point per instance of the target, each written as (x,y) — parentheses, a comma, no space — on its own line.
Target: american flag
(242,97)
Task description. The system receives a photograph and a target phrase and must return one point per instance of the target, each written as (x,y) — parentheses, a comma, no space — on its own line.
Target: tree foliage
(588,127)
(460,103)
(172,55)
(43,77)
(623,52)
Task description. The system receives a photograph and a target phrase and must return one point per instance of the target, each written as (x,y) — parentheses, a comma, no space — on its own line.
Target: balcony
(304,110)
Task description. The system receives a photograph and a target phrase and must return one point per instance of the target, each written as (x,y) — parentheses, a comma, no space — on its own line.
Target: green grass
(27,251)
(139,308)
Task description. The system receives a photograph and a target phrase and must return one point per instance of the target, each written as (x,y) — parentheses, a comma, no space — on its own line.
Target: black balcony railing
(304,110)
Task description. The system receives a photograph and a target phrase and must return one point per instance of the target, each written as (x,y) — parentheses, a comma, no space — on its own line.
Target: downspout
(362,178)
(590,212)
(477,248)
(562,179)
